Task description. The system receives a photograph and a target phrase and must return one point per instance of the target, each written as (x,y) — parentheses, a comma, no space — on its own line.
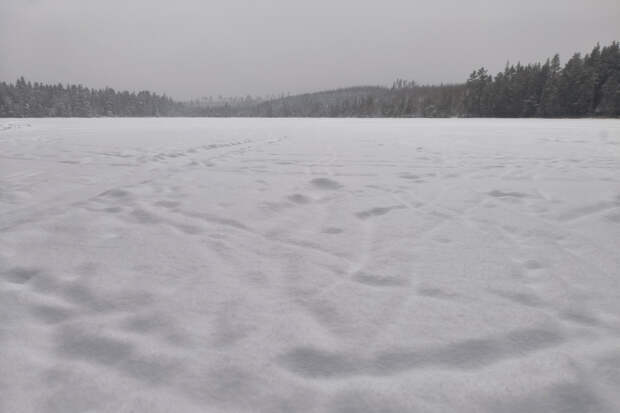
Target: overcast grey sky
(193,48)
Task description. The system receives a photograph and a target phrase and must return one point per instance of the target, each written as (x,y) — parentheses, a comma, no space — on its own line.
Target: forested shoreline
(586,86)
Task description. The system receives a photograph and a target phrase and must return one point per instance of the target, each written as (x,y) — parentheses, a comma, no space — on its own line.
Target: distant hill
(403,99)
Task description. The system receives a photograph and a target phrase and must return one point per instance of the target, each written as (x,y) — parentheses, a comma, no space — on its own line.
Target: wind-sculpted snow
(228,265)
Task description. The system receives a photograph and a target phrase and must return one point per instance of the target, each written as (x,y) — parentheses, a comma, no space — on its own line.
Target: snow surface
(198,265)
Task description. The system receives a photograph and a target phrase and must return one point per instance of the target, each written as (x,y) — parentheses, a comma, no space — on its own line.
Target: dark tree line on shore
(584,86)
(26,99)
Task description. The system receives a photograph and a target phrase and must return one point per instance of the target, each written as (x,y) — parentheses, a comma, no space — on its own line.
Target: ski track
(309,265)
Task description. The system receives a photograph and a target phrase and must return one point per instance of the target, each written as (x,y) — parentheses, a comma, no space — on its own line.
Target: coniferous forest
(585,86)
(26,99)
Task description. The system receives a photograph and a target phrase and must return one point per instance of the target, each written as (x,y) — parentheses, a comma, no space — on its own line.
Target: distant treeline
(26,99)
(403,99)
(586,86)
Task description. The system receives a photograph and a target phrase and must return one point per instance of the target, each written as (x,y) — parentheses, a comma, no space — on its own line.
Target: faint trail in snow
(471,354)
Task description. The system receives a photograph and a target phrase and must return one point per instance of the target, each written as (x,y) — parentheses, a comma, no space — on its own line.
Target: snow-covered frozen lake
(301,265)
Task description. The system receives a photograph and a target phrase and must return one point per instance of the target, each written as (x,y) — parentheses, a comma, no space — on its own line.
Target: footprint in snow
(325,183)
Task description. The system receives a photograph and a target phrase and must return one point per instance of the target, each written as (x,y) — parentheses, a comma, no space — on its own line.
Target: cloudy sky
(193,48)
